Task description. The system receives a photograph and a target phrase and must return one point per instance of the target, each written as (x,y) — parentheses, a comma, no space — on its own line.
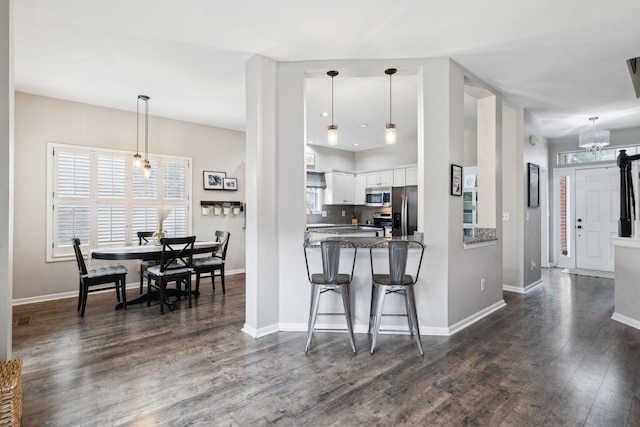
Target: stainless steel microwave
(378,196)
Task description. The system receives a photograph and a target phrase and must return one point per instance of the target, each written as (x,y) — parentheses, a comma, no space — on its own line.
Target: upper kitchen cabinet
(359,187)
(405,176)
(340,188)
(382,178)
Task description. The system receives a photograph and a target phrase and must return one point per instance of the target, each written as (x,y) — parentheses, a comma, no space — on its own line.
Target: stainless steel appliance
(385,221)
(404,210)
(378,196)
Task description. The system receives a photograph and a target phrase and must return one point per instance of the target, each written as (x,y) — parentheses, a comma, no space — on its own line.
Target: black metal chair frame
(175,266)
(332,280)
(219,253)
(398,283)
(143,236)
(87,281)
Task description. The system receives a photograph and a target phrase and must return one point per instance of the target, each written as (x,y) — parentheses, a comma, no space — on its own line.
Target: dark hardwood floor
(553,357)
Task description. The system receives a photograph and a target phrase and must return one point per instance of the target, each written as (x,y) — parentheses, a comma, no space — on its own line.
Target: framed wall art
(230,184)
(213,180)
(456,180)
(533,173)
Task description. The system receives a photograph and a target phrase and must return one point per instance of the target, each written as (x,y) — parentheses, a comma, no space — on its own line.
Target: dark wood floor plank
(551,357)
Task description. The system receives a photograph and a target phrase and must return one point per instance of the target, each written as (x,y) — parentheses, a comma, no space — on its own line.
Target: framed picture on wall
(456,180)
(213,180)
(230,184)
(533,174)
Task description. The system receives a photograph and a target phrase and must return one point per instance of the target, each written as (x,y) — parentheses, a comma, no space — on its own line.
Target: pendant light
(137,158)
(594,140)
(390,138)
(332,135)
(146,166)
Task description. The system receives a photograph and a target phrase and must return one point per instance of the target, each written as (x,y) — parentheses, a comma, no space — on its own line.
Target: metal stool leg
(346,302)
(380,293)
(313,313)
(412,315)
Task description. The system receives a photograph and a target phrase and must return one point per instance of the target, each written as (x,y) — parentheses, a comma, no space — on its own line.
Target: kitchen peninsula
(370,251)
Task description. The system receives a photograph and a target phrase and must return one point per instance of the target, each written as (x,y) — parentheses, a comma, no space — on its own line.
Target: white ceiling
(564,61)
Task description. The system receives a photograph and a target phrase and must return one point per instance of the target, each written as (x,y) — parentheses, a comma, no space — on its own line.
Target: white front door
(597,214)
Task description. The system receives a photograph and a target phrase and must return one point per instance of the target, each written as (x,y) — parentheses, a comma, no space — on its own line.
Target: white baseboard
(464,323)
(261,332)
(74,294)
(626,320)
(524,290)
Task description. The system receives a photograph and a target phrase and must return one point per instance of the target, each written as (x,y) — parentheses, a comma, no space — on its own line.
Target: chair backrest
(330,251)
(223,238)
(82,267)
(143,236)
(177,253)
(398,255)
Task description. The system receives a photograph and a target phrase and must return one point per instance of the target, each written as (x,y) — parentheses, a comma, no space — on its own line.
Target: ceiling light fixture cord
(332,131)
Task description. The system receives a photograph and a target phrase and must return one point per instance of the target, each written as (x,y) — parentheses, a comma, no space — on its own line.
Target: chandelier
(593,140)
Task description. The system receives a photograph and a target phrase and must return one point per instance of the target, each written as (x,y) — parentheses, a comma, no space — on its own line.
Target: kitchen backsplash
(334,214)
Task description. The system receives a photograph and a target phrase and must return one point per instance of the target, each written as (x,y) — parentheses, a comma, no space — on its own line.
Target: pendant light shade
(390,137)
(332,134)
(594,140)
(146,166)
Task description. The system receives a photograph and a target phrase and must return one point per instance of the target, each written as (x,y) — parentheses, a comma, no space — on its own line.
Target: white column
(262,287)
(6,176)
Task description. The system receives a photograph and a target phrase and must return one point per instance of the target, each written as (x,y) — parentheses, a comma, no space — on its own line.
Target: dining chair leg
(79,295)
(380,294)
(346,302)
(371,307)
(222,279)
(123,286)
(313,313)
(148,291)
(141,280)
(188,285)
(85,291)
(197,284)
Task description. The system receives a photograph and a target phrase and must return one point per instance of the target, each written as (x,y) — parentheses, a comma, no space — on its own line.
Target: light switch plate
(505,216)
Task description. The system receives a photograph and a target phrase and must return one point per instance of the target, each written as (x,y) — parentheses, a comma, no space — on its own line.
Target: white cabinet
(382,178)
(399,177)
(339,189)
(411,176)
(359,186)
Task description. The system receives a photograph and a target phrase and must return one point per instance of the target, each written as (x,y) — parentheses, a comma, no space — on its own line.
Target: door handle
(579,219)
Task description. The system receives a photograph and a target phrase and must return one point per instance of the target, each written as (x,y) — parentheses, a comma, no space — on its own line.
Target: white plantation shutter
(143,218)
(97,196)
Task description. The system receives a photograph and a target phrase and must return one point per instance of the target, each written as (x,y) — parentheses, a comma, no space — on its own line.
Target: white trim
(470,320)
(258,333)
(524,290)
(480,244)
(626,320)
(626,242)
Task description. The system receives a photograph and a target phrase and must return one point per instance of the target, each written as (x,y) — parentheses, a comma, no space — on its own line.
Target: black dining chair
(89,278)
(175,266)
(213,263)
(143,239)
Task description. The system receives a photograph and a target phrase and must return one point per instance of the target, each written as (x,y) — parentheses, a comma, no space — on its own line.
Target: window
(96,195)
(583,156)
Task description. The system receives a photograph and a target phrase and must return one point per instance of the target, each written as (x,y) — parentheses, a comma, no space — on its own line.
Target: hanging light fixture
(137,158)
(390,138)
(332,135)
(146,166)
(593,140)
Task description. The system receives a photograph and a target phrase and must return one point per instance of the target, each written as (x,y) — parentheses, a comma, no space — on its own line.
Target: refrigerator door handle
(404,215)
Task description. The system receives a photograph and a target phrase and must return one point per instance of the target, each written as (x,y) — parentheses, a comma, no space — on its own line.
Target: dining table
(148,252)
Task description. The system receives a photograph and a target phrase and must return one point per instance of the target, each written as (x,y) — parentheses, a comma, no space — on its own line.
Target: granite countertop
(362,242)
(346,229)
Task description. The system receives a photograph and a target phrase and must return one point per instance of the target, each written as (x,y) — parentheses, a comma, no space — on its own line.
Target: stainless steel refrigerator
(404,209)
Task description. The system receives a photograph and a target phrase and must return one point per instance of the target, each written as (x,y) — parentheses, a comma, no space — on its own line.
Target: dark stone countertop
(362,242)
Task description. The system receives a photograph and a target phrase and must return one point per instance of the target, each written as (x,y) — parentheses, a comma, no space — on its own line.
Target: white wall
(40,119)
(387,157)
(330,158)
(6,175)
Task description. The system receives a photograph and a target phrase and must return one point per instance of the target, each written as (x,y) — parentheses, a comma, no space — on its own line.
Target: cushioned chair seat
(384,279)
(105,270)
(155,270)
(318,279)
(207,262)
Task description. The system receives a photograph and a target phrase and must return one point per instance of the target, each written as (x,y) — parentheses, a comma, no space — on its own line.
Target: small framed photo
(230,184)
(533,175)
(456,180)
(213,180)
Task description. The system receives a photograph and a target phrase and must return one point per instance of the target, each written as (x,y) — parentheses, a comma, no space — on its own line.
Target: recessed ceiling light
(325,114)
(356,145)
(364,125)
